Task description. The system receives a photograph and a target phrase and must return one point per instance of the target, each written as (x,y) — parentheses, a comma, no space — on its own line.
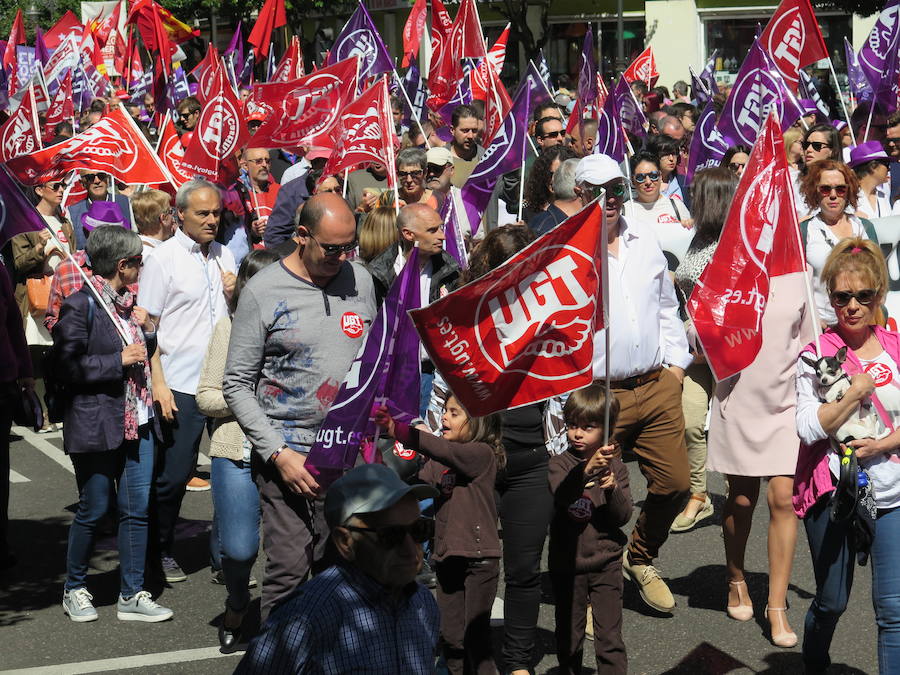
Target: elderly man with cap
(366,613)
(648,355)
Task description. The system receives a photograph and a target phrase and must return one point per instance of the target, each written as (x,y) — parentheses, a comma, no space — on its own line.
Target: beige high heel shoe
(742,611)
(783,638)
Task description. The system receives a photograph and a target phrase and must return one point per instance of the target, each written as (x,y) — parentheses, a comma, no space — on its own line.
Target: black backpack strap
(677,213)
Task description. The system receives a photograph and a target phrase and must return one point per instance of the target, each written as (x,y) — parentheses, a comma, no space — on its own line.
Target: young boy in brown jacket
(592,501)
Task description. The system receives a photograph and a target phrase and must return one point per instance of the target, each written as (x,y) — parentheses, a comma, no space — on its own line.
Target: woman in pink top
(863,515)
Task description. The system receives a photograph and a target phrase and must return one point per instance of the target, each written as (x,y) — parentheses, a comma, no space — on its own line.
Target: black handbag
(27,410)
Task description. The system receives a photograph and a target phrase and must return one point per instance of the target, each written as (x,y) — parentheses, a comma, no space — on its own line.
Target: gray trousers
(294,536)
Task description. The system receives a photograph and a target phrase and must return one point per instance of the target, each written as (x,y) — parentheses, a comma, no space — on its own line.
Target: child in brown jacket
(463,464)
(592,501)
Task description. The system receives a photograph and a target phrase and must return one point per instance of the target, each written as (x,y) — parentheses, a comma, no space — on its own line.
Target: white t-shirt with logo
(884,470)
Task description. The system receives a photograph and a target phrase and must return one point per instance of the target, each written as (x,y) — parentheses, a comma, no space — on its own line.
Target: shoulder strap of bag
(677,214)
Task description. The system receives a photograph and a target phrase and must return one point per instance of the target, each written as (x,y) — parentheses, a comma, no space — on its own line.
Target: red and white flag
(525,331)
(114,145)
(412,31)
(479,76)
(207,73)
(62,107)
(792,39)
(291,65)
(496,106)
(171,151)
(445,70)
(760,240)
(365,134)
(466,38)
(220,133)
(67,26)
(10,60)
(20,134)
(643,68)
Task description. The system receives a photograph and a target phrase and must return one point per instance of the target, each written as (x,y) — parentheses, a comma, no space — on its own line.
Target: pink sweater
(812,479)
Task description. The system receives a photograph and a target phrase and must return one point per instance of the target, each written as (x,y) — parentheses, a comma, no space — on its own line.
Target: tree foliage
(861,7)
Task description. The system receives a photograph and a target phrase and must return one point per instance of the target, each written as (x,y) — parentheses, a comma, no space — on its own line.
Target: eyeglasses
(864,297)
(436,169)
(815,145)
(185,115)
(134,261)
(736,166)
(554,134)
(826,190)
(616,190)
(653,176)
(55,187)
(334,250)
(91,177)
(391,536)
(417,173)
(261,160)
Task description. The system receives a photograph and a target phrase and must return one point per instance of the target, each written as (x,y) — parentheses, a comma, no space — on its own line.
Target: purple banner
(809,91)
(699,90)
(26,64)
(610,135)
(587,71)
(17,215)
(630,113)
(859,85)
(385,372)
(236,49)
(41,53)
(878,57)
(359,37)
(708,146)
(461,95)
(708,75)
(417,91)
(453,241)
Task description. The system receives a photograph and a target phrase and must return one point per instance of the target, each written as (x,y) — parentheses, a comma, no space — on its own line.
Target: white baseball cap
(597,170)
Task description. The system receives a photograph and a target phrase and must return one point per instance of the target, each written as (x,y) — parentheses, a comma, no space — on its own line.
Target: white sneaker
(141,607)
(77,604)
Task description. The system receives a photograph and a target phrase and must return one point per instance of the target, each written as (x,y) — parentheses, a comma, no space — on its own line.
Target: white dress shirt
(184,289)
(645,329)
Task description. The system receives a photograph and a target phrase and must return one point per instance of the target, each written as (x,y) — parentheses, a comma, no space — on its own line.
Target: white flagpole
(604,294)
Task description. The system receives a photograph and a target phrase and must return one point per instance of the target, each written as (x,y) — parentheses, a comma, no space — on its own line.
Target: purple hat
(840,125)
(866,152)
(102,213)
(809,106)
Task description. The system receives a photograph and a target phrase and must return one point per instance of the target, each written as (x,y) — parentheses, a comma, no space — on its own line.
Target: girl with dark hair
(711,192)
(538,191)
(234,540)
(668,150)
(659,212)
(735,159)
(820,142)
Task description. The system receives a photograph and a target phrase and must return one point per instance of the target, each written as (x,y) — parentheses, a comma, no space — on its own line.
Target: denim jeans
(234,540)
(97,474)
(834,561)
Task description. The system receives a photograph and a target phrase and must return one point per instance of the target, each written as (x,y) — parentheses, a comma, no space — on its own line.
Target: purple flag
(859,85)
(505,153)
(17,215)
(878,57)
(417,91)
(544,69)
(630,113)
(246,76)
(708,146)
(385,372)
(41,53)
(587,71)
(699,90)
(708,75)
(809,90)
(758,89)
(26,64)
(235,51)
(453,242)
(461,95)
(359,37)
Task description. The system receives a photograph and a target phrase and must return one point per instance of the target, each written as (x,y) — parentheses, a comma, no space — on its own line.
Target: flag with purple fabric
(708,146)
(235,50)
(809,91)
(82,94)
(878,57)
(26,64)
(461,95)
(359,37)
(699,89)
(610,135)
(417,91)
(17,215)
(385,372)
(630,113)
(587,71)
(246,77)
(505,153)
(859,85)
(41,53)
(708,74)
(453,242)
(544,69)
(757,89)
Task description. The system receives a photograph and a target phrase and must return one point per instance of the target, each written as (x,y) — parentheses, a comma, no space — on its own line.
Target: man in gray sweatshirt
(297,328)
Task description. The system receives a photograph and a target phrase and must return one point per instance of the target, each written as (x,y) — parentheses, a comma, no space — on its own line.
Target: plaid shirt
(341,621)
(66,280)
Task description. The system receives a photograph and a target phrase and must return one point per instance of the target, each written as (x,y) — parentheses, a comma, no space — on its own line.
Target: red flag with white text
(445,70)
(114,145)
(466,38)
(643,68)
(20,134)
(207,73)
(760,240)
(171,151)
(524,331)
(291,65)
(478,77)
(792,39)
(412,31)
(62,107)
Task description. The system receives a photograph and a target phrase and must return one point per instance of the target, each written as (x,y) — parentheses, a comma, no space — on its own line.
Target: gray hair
(412,157)
(108,245)
(187,189)
(564,179)
(680,88)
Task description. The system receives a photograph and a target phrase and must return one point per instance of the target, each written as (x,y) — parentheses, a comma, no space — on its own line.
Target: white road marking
(16,477)
(123,662)
(47,448)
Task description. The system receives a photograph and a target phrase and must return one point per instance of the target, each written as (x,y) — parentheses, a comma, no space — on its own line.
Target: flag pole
(604,294)
(522,178)
(841,97)
(869,121)
(392,162)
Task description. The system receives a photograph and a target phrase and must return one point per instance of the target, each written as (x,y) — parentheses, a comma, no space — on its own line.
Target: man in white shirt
(648,355)
(184,286)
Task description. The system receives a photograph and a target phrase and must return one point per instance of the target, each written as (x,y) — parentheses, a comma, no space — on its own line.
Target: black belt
(637,380)
(427,367)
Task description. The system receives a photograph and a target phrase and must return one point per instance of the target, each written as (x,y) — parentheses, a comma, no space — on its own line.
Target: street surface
(699,639)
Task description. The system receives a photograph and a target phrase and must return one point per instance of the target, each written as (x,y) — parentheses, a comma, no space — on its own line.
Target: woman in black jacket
(102,351)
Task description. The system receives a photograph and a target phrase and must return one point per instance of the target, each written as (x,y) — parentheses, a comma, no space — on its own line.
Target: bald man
(297,328)
(672,126)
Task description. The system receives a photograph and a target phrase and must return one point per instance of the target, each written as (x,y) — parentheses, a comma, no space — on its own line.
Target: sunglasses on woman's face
(652,176)
(391,536)
(815,145)
(736,166)
(839,190)
(864,297)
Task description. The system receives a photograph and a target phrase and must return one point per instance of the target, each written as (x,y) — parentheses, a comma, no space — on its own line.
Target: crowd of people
(143,319)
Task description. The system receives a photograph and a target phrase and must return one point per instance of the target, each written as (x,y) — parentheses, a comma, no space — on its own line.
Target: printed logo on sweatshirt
(581,509)
(880,373)
(403,453)
(352,325)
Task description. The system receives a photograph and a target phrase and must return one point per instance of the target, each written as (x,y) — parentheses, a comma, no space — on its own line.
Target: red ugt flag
(643,68)
(525,331)
(760,240)
(792,39)
(19,134)
(412,31)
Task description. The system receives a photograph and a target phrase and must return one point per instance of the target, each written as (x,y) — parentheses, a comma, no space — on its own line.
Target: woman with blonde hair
(379,229)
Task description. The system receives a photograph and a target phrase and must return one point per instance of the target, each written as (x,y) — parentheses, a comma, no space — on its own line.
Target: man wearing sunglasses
(97,187)
(549,131)
(648,355)
(378,532)
(296,331)
(188,110)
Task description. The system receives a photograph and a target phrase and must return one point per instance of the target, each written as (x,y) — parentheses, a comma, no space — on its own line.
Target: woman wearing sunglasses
(102,350)
(820,142)
(856,280)
(666,216)
(830,190)
(735,159)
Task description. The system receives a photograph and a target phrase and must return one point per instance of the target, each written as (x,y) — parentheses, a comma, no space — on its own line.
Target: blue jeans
(833,563)
(97,474)
(234,540)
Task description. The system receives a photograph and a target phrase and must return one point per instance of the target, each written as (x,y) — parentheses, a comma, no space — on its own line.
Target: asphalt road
(699,639)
